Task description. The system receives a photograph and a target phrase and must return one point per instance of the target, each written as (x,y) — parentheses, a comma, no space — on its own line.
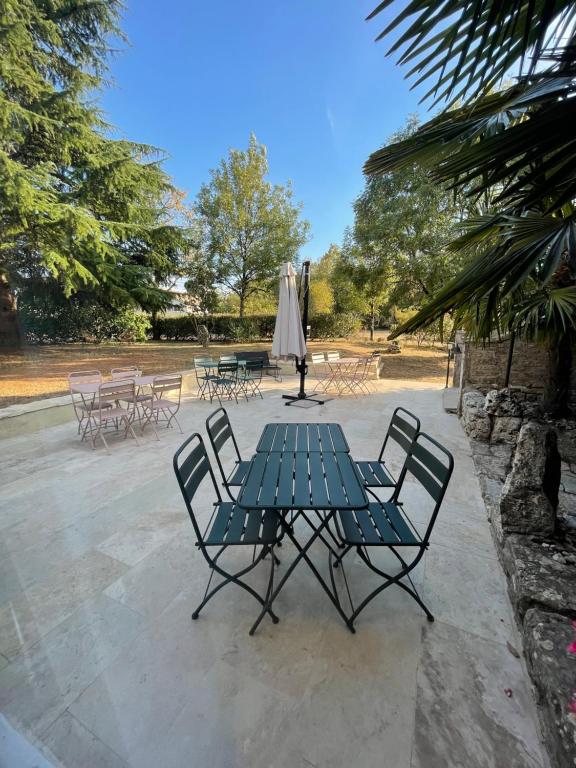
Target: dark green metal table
(303,437)
(323,480)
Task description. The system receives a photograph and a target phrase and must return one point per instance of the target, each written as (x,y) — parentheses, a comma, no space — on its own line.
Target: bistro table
(322,480)
(302,437)
(93,387)
(342,373)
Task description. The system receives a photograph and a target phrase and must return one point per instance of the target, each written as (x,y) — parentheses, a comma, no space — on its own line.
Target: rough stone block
(475,421)
(503,402)
(506,429)
(553,671)
(566,433)
(530,494)
(540,575)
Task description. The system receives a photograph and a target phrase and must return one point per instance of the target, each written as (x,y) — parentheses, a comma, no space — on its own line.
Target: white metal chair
(164,402)
(106,409)
(319,371)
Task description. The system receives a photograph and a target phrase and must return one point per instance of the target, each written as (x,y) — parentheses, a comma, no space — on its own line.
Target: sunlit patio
(101,664)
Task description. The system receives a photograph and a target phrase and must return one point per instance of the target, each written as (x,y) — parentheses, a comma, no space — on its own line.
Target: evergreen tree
(76,206)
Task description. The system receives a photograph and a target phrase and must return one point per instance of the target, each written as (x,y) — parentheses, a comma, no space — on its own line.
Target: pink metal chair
(107,409)
(164,403)
(128,372)
(82,403)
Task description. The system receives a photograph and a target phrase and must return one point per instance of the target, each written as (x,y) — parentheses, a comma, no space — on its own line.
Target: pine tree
(77,206)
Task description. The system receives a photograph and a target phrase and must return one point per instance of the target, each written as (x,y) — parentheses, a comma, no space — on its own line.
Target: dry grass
(38,372)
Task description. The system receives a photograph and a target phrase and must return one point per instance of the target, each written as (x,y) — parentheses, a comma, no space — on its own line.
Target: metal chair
(228,526)
(386,524)
(128,372)
(219,433)
(107,409)
(203,376)
(403,428)
(249,378)
(319,371)
(83,405)
(225,384)
(160,406)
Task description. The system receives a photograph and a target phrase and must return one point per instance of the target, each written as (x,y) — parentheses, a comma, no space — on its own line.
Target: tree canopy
(513,143)
(250,225)
(77,206)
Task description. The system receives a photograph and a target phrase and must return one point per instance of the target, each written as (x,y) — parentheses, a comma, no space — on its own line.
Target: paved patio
(102,666)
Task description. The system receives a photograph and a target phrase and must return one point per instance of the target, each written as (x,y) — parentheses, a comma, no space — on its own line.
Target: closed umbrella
(288,334)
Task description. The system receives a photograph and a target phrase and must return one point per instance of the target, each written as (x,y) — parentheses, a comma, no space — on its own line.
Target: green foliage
(321,297)
(335,326)
(222,327)
(515,146)
(251,227)
(54,319)
(76,205)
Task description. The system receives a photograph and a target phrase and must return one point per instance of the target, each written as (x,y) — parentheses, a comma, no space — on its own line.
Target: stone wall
(532,511)
(485,365)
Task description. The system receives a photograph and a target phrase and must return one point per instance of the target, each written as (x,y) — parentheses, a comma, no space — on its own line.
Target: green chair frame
(402,429)
(386,524)
(228,526)
(220,432)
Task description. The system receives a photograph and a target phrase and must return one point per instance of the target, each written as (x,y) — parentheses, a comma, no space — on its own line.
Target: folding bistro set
(127,398)
(344,375)
(233,376)
(302,485)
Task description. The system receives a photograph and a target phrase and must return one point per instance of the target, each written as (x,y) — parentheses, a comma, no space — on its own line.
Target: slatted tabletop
(311,438)
(302,480)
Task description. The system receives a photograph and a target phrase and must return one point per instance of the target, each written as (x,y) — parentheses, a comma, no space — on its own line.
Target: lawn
(36,372)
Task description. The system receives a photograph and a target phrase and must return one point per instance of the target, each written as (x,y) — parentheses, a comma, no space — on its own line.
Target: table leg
(303,555)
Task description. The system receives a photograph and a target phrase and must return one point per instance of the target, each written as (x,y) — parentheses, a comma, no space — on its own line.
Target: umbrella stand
(301,366)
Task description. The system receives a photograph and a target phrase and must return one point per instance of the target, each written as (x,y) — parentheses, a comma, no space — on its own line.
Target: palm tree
(514,144)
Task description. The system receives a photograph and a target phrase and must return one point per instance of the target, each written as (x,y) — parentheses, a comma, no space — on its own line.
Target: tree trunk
(557,391)
(10,335)
(372,321)
(242,301)
(155,326)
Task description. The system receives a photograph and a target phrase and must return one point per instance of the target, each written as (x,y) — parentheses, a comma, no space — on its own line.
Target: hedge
(49,319)
(230,328)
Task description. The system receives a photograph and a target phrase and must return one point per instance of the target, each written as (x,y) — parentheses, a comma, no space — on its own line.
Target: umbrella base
(292,399)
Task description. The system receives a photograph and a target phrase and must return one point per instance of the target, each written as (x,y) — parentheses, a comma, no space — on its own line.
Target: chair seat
(380,524)
(116,413)
(139,399)
(375,474)
(233,525)
(239,473)
(94,406)
(160,404)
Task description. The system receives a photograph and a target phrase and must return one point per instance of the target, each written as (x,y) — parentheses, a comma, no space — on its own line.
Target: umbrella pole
(301,366)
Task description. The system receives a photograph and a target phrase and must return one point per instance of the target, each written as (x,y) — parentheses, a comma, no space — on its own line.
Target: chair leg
(235,579)
(390,580)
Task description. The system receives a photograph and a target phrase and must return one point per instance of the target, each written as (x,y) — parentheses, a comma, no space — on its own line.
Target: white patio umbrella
(288,334)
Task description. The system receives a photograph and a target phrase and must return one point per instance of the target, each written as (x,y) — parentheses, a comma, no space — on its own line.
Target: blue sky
(304,75)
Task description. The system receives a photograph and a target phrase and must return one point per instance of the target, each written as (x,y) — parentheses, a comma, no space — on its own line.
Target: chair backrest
(219,433)
(112,391)
(332,356)
(317,358)
(125,373)
(262,356)
(403,428)
(191,465)
(431,465)
(254,368)
(228,368)
(84,377)
(166,384)
(228,359)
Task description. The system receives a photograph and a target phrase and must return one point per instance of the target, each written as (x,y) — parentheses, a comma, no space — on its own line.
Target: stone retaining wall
(532,511)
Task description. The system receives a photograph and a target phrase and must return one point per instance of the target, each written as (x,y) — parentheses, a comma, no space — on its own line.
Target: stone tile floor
(101,665)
